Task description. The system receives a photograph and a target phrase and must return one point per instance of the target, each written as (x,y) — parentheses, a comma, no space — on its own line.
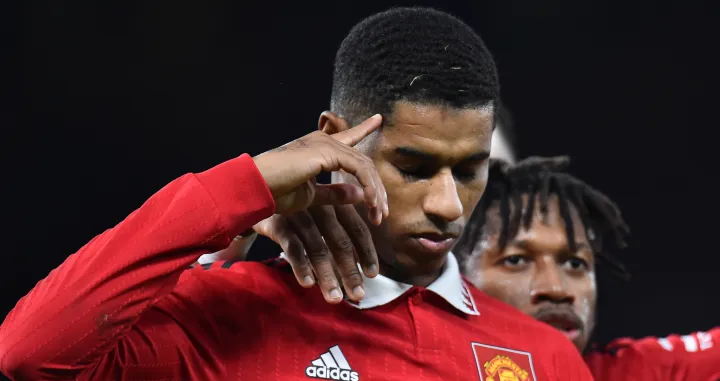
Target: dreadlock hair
(539,178)
(418,55)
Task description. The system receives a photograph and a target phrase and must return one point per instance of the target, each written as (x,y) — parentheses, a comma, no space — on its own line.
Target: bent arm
(677,357)
(83,310)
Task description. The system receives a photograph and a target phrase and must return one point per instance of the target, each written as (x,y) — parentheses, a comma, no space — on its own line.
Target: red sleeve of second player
(694,357)
(82,312)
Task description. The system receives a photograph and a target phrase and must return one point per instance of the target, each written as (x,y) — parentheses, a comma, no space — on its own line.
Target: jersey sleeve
(693,357)
(79,321)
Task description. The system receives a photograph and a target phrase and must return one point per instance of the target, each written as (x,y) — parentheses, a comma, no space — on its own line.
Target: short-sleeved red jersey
(694,357)
(126,307)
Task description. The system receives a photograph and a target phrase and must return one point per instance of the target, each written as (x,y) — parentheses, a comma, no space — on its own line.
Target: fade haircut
(419,55)
(539,178)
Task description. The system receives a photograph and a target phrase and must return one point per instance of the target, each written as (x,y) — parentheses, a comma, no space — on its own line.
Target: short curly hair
(419,55)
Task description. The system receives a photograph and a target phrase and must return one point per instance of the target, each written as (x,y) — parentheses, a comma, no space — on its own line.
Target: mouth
(434,243)
(566,322)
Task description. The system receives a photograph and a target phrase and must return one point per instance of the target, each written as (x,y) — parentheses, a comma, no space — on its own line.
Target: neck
(413,273)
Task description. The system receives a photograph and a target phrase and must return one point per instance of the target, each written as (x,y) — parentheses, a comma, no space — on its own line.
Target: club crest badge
(503,364)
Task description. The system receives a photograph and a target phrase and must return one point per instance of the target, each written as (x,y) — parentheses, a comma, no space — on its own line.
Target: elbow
(19,361)
(16,366)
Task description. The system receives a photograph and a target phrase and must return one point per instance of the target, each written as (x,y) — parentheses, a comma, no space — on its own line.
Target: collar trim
(450,286)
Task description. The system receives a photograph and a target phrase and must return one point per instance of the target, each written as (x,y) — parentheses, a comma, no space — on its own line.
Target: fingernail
(358,292)
(308,280)
(376,116)
(372,269)
(335,293)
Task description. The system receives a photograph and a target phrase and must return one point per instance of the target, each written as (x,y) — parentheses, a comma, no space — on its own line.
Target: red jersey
(126,307)
(693,357)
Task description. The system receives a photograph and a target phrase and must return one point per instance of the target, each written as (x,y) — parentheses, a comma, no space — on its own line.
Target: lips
(433,243)
(564,320)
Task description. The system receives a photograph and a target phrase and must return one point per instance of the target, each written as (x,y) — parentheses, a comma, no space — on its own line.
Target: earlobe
(331,123)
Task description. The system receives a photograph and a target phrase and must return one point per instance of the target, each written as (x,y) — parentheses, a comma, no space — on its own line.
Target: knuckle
(353,276)
(345,246)
(293,247)
(301,268)
(319,254)
(359,229)
(328,278)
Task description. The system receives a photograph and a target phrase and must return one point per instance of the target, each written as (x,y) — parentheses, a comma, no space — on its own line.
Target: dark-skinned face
(537,273)
(433,161)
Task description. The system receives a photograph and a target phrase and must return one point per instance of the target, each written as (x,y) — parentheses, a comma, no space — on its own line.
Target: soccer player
(533,241)
(502,148)
(125,306)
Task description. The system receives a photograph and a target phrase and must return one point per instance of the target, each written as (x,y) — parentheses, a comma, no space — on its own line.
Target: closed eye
(465,174)
(414,174)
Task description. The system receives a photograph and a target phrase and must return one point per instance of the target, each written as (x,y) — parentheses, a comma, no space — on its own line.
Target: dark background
(105,102)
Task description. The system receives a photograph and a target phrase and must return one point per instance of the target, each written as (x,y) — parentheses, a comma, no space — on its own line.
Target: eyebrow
(525,244)
(424,156)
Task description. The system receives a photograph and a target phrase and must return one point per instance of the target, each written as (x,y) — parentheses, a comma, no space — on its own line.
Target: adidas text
(324,373)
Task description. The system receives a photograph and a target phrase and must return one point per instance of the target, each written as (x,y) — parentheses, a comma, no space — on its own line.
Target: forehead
(541,225)
(438,129)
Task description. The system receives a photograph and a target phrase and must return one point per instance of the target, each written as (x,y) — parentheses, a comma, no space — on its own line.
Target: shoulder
(239,282)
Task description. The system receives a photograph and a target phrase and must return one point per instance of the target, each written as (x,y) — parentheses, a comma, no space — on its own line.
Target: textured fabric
(127,306)
(449,285)
(694,357)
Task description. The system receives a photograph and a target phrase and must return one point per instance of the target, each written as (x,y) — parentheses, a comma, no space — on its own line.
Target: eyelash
(583,264)
(412,175)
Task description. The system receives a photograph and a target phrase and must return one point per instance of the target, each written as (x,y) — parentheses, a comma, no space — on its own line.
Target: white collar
(383,290)
(450,286)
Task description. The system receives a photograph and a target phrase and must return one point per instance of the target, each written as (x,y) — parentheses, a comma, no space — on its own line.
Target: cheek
(586,299)
(470,193)
(469,196)
(512,290)
(403,199)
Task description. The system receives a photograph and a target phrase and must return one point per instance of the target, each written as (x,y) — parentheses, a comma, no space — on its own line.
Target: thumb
(337,194)
(354,135)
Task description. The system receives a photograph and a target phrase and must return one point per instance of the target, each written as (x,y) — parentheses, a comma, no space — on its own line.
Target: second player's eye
(514,261)
(577,264)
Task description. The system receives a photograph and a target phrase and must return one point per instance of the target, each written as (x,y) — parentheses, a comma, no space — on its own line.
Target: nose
(549,284)
(442,200)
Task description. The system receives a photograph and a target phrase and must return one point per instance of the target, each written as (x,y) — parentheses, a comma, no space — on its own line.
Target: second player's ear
(331,123)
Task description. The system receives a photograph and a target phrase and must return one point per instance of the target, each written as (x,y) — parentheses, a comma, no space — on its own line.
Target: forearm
(82,308)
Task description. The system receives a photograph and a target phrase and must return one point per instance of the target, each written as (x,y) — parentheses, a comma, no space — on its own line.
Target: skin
(433,162)
(536,272)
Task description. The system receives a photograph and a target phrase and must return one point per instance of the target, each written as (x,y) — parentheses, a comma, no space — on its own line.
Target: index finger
(353,136)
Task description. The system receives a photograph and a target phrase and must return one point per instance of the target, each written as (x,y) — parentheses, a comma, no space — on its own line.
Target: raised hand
(323,245)
(290,172)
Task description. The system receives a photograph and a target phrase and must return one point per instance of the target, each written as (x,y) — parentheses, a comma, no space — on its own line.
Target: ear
(331,123)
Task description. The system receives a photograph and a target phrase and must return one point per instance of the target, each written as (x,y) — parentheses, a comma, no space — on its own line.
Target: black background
(105,102)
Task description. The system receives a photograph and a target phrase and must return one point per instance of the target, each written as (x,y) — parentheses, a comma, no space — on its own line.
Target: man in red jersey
(124,307)
(533,242)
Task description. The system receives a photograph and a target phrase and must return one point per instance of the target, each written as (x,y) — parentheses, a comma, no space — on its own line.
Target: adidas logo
(332,365)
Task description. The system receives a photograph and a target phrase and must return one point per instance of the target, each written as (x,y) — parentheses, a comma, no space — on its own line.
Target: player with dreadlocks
(533,242)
